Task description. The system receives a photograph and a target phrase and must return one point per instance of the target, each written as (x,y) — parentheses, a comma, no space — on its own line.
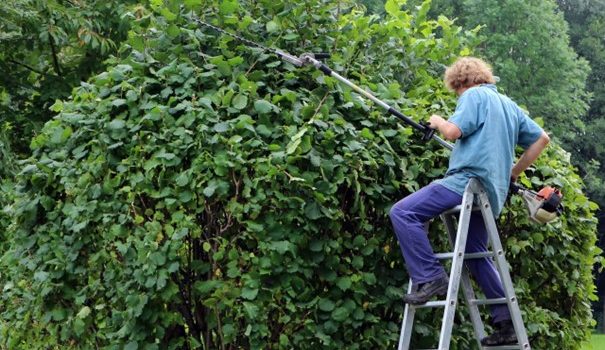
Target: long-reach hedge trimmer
(543,206)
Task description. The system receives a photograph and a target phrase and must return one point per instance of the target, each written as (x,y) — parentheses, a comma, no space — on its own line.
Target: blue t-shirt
(492,125)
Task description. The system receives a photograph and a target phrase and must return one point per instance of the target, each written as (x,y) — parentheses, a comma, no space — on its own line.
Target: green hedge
(202,194)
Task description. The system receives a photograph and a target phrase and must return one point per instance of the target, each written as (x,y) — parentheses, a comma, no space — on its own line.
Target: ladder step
(428,304)
(457,209)
(488,301)
(480,255)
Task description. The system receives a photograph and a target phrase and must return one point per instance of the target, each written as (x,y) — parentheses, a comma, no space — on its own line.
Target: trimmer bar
(543,206)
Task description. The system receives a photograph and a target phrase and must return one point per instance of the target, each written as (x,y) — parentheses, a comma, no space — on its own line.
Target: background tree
(587,25)
(46,49)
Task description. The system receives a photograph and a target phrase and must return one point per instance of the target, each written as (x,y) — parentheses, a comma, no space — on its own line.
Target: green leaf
(249,293)
(284,341)
(251,310)
(173,30)
(133,345)
(118,102)
(359,241)
(58,314)
(182,179)
(157,258)
(340,314)
(240,101)
(227,7)
(221,127)
(131,96)
(369,278)
(367,134)
(344,283)
(205,287)
(281,246)
(393,7)
(209,190)
(84,312)
(117,124)
(272,26)
(235,61)
(316,246)
(79,326)
(326,305)
(263,130)
(150,164)
(57,106)
(291,36)
(170,17)
(156,4)
(193,4)
(295,141)
(313,211)
(293,146)
(263,106)
(41,276)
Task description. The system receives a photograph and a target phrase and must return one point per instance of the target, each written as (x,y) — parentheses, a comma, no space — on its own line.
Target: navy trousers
(409,217)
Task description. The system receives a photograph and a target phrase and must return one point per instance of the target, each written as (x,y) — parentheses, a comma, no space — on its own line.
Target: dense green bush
(202,194)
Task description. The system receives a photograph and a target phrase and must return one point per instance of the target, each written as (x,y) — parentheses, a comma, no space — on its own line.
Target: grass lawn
(597,343)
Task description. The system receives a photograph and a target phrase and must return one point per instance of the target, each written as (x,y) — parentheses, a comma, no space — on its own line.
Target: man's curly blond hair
(467,72)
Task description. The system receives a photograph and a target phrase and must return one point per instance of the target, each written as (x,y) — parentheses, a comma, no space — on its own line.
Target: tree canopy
(46,49)
(587,25)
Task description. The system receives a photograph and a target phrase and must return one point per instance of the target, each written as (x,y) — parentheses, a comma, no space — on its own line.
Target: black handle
(321,55)
(428,132)
(514,187)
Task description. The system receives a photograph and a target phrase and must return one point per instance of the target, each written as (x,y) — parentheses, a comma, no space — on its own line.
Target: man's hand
(435,120)
(449,130)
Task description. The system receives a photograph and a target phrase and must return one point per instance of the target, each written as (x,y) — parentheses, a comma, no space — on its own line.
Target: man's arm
(530,155)
(449,130)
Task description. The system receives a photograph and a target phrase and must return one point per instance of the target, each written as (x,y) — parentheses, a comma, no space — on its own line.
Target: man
(486,126)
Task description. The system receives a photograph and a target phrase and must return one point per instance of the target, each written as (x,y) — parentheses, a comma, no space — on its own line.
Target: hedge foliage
(203,194)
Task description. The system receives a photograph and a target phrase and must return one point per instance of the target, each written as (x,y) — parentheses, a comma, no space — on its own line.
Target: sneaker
(504,334)
(428,290)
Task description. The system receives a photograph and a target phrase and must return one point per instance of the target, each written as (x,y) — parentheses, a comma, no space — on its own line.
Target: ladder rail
(456,271)
(469,294)
(407,324)
(502,266)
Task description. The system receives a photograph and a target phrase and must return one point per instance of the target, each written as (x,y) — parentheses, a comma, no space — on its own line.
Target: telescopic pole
(428,132)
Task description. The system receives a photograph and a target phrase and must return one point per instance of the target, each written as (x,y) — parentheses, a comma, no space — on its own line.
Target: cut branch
(26,66)
(55,59)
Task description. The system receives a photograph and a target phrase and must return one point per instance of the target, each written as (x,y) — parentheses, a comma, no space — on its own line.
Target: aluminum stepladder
(459,275)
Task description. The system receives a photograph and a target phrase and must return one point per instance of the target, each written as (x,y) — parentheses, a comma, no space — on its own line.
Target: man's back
(491,125)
